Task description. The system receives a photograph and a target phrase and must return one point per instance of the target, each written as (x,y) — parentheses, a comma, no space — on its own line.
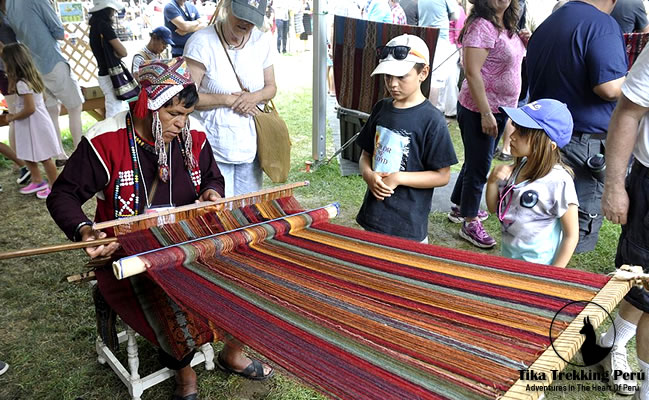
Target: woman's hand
(89,234)
(9,117)
(489,124)
(245,103)
(209,195)
(525,35)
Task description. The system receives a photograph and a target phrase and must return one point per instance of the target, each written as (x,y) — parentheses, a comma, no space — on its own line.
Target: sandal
(254,370)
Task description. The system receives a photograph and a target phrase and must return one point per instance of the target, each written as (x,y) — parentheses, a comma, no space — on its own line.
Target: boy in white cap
(407,149)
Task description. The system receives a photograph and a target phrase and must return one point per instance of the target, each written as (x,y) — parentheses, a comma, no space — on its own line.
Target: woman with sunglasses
(492,53)
(535,198)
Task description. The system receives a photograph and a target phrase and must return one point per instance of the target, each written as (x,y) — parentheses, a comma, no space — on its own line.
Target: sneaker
(474,233)
(33,188)
(42,194)
(455,217)
(24,176)
(3,367)
(616,361)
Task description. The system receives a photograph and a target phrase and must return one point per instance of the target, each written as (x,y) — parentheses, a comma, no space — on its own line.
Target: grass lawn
(47,327)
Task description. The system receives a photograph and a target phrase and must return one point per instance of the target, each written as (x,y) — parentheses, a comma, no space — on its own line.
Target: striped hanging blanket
(360,315)
(635,43)
(354,57)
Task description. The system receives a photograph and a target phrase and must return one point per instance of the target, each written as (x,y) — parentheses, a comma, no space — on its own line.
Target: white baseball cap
(101,4)
(417,53)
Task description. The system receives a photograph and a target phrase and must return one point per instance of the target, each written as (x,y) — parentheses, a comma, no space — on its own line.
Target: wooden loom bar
(570,340)
(196,206)
(103,225)
(54,248)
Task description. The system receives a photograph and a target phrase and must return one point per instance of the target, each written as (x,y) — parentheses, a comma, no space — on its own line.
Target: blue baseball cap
(163,33)
(552,116)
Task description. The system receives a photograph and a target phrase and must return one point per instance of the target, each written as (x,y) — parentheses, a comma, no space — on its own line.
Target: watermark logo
(592,353)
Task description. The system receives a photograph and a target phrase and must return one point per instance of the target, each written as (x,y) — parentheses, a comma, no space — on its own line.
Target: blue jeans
(633,247)
(589,187)
(282,35)
(478,152)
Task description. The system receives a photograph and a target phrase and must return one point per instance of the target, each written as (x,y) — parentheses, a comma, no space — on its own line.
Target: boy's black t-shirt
(412,139)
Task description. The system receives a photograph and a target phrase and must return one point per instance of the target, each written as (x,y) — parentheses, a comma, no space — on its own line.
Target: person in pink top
(455,26)
(493,51)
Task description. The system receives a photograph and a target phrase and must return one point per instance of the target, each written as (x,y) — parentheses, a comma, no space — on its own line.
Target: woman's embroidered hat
(161,80)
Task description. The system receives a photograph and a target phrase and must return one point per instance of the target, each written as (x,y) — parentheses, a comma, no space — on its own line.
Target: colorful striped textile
(635,42)
(354,58)
(360,315)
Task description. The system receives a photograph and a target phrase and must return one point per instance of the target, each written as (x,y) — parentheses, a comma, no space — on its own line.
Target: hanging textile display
(354,58)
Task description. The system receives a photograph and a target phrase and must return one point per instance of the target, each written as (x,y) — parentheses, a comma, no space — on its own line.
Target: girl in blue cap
(535,198)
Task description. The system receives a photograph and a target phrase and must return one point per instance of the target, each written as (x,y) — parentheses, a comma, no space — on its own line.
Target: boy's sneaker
(24,176)
(455,217)
(616,361)
(476,235)
(3,367)
(42,194)
(34,187)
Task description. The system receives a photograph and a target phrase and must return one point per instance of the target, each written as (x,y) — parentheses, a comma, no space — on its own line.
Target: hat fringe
(141,105)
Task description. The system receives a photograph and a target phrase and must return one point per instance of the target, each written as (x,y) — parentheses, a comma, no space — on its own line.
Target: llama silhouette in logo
(591,352)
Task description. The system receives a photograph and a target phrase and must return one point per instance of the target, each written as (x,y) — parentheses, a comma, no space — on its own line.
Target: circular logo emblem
(592,353)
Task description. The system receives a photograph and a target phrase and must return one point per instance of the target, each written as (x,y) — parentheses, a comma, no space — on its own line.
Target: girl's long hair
(20,66)
(105,14)
(482,9)
(542,158)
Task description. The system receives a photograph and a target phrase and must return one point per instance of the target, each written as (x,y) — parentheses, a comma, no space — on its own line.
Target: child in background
(36,138)
(407,149)
(535,198)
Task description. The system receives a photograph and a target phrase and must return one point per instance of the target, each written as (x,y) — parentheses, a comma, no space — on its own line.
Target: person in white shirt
(226,109)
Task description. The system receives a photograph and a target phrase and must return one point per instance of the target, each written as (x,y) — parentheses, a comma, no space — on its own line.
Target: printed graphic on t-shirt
(391,149)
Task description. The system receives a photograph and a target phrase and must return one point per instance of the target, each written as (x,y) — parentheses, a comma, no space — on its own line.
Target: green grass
(47,327)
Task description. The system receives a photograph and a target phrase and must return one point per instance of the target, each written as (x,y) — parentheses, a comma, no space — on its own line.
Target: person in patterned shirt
(398,15)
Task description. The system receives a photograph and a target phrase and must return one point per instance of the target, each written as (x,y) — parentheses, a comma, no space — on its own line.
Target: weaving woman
(134,162)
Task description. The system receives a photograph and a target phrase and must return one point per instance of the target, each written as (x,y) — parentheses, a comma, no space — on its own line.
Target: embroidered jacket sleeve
(82,178)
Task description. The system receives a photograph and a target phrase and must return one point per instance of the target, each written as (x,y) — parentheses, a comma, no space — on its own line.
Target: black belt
(595,136)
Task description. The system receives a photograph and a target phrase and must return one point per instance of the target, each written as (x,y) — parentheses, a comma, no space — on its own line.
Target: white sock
(624,331)
(644,389)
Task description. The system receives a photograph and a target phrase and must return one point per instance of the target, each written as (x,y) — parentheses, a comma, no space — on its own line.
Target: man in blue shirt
(182,19)
(39,28)
(577,56)
(379,11)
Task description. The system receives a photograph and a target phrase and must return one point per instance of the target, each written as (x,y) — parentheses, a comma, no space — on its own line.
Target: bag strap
(109,53)
(220,35)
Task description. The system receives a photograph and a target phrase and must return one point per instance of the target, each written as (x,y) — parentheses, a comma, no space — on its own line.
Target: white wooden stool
(131,378)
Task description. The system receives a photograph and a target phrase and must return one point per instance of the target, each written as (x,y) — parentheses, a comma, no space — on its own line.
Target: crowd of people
(558,92)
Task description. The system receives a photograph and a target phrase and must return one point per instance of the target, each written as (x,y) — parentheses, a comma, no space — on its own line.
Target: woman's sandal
(254,370)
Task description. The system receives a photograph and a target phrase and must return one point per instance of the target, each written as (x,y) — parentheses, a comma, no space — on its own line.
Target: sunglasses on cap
(398,52)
